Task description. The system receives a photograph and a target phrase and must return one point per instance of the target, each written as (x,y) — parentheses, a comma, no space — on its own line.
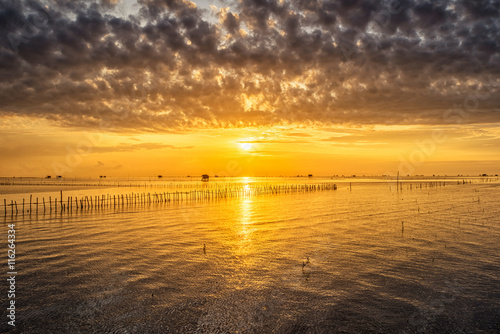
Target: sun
(246,146)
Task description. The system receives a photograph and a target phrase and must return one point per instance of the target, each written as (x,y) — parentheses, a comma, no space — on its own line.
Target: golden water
(366,260)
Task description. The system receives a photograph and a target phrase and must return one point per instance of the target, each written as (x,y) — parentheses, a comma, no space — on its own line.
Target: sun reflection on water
(244,243)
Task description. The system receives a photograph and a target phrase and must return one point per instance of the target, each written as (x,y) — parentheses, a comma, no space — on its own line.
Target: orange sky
(176,87)
(39,149)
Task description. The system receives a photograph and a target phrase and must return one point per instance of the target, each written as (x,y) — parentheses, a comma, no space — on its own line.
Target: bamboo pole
(397,182)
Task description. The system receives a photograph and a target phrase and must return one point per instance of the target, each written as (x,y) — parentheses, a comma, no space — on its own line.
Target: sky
(249,87)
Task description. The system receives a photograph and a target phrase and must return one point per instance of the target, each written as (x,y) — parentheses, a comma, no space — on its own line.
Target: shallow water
(366,260)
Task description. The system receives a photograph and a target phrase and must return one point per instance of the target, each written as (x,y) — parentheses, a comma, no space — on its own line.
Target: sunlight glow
(246,146)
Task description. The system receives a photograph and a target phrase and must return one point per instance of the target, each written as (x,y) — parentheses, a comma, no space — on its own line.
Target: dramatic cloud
(170,64)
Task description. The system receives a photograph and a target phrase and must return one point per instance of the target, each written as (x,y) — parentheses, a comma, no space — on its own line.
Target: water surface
(366,259)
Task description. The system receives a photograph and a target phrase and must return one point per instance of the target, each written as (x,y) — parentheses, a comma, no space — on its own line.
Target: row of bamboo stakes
(204,185)
(423,185)
(134,199)
(212,193)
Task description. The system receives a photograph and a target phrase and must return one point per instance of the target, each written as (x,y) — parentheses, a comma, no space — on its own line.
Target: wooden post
(397,182)
(16,207)
(30,202)
(5,205)
(37,205)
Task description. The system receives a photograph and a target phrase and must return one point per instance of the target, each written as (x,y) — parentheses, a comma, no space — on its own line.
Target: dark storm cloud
(173,66)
